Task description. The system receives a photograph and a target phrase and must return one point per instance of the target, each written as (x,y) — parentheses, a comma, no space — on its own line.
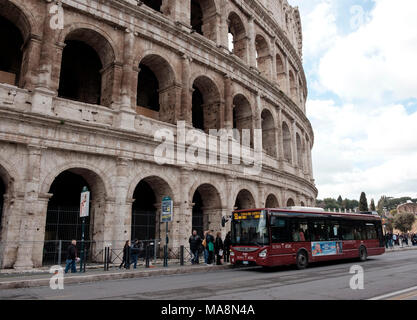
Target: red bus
(298,235)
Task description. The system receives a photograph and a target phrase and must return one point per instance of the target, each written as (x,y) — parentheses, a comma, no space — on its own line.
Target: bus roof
(313,210)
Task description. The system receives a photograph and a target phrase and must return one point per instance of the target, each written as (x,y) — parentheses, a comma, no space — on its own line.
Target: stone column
(274,74)
(31,54)
(287,77)
(32,208)
(186,95)
(294,144)
(179,11)
(251,43)
(261,194)
(127,113)
(223,28)
(228,98)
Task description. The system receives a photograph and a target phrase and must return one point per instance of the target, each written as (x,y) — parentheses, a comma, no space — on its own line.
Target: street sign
(84,204)
(167,209)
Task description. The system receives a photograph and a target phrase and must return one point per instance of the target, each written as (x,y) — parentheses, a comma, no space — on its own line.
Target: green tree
(340,201)
(404,221)
(363,203)
(372,205)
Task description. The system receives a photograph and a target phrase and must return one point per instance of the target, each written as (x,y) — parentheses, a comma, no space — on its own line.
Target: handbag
(221,252)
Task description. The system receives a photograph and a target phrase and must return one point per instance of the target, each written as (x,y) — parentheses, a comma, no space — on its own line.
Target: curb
(16,284)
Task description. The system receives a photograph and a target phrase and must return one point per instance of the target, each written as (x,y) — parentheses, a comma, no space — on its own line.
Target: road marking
(404,296)
(393,294)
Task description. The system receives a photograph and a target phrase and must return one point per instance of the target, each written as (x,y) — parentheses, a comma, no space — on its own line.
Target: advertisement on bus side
(326,248)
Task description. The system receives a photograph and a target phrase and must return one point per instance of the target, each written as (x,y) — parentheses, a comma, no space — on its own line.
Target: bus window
(370,231)
(319,231)
(279,229)
(347,230)
(299,231)
(334,230)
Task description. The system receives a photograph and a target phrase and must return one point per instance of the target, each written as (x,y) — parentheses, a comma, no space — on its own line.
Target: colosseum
(85,85)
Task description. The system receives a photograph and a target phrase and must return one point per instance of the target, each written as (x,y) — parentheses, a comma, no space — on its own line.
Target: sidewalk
(399,248)
(13,280)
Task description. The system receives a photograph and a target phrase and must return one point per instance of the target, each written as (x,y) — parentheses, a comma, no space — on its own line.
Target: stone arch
(146,209)
(263,56)
(6,190)
(272,201)
(243,117)
(62,220)
(244,200)
(287,142)
(207,208)
(88,61)
(206,104)
(293,86)
(290,203)
(300,154)
(269,143)
(204,18)
(238,38)
(281,74)
(17,25)
(156,90)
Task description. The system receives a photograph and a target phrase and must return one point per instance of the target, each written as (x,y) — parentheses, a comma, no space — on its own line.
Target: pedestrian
(394,238)
(227,243)
(205,248)
(195,243)
(218,248)
(72,257)
(126,256)
(210,248)
(134,252)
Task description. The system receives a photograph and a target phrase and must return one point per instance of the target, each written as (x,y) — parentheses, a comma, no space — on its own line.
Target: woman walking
(126,256)
(218,246)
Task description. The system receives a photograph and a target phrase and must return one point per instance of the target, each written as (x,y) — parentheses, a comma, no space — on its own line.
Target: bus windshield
(250,228)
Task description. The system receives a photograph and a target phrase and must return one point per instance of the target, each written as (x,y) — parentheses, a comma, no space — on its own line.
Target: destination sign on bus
(248,215)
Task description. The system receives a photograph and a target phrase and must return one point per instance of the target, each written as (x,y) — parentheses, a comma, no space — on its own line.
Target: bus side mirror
(224,222)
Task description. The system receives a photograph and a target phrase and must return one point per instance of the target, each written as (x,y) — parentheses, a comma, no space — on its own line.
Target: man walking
(195,243)
(71,257)
(135,253)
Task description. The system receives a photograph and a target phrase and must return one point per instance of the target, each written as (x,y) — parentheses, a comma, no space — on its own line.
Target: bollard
(165,256)
(147,255)
(182,255)
(105,258)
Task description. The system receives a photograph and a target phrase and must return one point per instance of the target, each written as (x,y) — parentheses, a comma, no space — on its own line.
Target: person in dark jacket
(210,248)
(195,244)
(71,257)
(134,252)
(218,248)
(126,256)
(227,243)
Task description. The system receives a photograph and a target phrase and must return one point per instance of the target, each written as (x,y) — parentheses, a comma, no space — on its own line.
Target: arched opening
(263,58)
(272,202)
(2,194)
(290,203)
(245,200)
(300,154)
(154,4)
(86,72)
(286,137)
(203,18)
(206,209)
(242,118)
(156,90)
(302,204)
(205,105)
(146,208)
(237,36)
(293,86)
(281,74)
(11,53)
(63,222)
(268,133)
(148,89)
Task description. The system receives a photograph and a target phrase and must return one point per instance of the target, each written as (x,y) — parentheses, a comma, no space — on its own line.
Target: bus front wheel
(302,260)
(363,255)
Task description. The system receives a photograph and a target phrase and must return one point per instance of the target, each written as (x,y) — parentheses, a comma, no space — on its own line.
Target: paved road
(386,277)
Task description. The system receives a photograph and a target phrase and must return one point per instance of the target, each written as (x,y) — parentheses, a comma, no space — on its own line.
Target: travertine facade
(88,98)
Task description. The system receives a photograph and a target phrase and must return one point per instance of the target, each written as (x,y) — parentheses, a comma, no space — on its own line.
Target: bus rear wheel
(363,255)
(302,260)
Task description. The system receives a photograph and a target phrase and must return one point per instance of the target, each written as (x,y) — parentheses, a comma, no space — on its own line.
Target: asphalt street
(391,276)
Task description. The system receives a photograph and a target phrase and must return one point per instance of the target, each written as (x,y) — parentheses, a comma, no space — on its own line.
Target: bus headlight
(263,253)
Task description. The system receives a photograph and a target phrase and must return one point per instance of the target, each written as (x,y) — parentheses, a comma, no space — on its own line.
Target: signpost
(84,212)
(167,212)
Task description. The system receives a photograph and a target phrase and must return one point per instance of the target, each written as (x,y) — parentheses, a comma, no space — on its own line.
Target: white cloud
(377,61)
(363,150)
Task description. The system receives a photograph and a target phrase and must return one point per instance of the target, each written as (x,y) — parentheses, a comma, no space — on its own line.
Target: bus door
(281,248)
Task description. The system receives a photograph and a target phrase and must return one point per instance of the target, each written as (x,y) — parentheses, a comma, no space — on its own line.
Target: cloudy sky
(360,58)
